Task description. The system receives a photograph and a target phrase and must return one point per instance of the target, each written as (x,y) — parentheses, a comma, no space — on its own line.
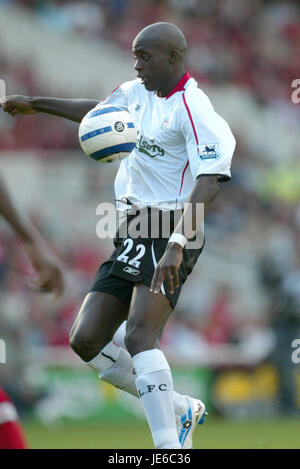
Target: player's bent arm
(204,192)
(72,109)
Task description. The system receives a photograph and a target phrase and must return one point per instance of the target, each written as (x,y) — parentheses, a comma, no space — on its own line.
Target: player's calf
(140,338)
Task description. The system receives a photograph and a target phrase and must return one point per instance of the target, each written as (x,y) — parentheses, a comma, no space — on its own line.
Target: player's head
(159,50)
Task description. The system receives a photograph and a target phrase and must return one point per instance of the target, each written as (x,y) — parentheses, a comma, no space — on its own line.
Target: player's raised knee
(84,343)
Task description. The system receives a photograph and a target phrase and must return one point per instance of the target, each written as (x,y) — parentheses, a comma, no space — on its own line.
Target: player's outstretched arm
(204,192)
(50,275)
(72,109)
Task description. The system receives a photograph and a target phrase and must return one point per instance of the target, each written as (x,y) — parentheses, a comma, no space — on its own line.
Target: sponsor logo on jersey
(137,108)
(208,152)
(149,147)
(131,270)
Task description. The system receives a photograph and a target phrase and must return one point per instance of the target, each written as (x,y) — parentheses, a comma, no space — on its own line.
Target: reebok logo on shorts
(131,270)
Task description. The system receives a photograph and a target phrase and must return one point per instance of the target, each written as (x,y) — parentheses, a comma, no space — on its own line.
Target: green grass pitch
(214,434)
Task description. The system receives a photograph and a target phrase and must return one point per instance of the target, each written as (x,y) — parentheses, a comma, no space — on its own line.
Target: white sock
(114,365)
(180,403)
(121,373)
(155,387)
(119,336)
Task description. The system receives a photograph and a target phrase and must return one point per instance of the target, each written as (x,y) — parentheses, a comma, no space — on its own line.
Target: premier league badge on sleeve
(208,151)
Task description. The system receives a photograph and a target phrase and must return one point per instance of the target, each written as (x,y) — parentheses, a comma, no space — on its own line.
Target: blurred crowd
(251,44)
(254,45)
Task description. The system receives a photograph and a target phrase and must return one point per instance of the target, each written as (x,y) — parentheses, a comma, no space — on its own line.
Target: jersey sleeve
(118,97)
(209,140)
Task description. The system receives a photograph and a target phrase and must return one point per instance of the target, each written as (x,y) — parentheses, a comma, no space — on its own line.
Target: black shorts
(134,260)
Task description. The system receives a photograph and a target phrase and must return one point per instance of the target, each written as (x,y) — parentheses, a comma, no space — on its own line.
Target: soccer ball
(107,133)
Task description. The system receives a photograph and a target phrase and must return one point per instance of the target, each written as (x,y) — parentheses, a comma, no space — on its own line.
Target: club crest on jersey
(208,152)
(165,125)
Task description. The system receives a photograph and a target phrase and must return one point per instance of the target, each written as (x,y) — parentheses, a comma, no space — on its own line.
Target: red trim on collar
(180,85)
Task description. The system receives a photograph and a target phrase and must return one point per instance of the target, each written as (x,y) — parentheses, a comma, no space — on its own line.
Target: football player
(184,151)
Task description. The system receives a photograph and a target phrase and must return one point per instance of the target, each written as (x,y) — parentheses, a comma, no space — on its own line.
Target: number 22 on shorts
(123,257)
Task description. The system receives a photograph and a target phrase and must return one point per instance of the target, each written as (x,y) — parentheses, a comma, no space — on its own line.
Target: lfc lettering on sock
(153,387)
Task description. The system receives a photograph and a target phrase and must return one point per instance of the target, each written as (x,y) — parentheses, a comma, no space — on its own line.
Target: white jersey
(180,137)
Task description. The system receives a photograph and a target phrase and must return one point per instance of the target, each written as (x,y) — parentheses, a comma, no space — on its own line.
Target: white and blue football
(107,133)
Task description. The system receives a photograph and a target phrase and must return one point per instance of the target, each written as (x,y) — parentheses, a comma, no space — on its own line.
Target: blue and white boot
(187,422)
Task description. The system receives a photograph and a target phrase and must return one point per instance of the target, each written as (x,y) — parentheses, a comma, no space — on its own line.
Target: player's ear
(173,56)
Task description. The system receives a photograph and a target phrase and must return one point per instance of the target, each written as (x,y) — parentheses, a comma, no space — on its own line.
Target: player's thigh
(147,317)
(99,317)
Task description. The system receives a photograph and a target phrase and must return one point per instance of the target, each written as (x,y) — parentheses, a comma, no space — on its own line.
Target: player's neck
(166,90)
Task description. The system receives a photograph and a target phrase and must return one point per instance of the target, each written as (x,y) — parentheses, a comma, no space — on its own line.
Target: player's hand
(167,269)
(17,105)
(50,276)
